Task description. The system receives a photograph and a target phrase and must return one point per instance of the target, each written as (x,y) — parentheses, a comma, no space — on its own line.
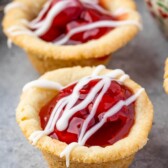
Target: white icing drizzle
(13,5)
(57,9)
(121,11)
(90,1)
(89,133)
(106,84)
(98,24)
(9,43)
(24,22)
(109,113)
(19,30)
(97,7)
(115,73)
(70,110)
(68,104)
(14,28)
(42,12)
(41,83)
(67,152)
(98,70)
(123,78)
(43,26)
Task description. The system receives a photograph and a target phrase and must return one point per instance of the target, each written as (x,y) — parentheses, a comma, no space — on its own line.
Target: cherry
(51,34)
(163,14)
(116,127)
(86,35)
(58,24)
(69,14)
(73,16)
(89,16)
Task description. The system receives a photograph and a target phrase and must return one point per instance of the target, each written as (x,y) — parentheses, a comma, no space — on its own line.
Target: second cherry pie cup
(47,56)
(159,10)
(122,150)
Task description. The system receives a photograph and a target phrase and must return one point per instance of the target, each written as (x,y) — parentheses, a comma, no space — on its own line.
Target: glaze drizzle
(68,103)
(14,5)
(41,27)
(98,24)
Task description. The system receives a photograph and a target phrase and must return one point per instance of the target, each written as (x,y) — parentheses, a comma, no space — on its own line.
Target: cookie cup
(118,155)
(46,56)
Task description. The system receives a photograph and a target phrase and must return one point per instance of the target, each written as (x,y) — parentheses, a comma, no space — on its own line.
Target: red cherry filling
(116,127)
(163,14)
(57,27)
(73,16)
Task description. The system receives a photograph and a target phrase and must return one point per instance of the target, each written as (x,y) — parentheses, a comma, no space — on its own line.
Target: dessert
(166,77)
(159,10)
(62,33)
(86,117)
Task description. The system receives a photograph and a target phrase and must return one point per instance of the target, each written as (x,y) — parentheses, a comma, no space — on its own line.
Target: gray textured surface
(143,59)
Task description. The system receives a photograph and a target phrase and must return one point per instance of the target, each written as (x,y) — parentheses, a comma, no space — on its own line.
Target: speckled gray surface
(143,59)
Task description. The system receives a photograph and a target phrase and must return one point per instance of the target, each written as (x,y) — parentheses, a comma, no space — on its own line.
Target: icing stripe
(67,152)
(45,25)
(9,43)
(14,5)
(43,84)
(95,5)
(123,78)
(15,28)
(98,70)
(19,30)
(99,8)
(121,11)
(46,6)
(68,113)
(22,32)
(70,110)
(42,12)
(99,24)
(107,82)
(116,73)
(90,1)
(109,113)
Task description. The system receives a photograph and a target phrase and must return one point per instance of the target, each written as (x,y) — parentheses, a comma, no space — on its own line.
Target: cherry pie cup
(113,145)
(58,46)
(166,77)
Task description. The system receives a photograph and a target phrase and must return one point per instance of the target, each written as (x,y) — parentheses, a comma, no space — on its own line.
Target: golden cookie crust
(27,115)
(92,49)
(166,77)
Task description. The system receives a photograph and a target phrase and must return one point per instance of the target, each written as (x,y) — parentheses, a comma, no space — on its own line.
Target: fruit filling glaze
(94,111)
(72,22)
(116,126)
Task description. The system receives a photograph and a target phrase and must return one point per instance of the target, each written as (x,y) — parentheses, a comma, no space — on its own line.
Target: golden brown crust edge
(93,49)
(28,120)
(166,77)
(56,162)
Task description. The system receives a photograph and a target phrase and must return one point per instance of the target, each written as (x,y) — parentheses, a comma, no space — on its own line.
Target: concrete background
(143,59)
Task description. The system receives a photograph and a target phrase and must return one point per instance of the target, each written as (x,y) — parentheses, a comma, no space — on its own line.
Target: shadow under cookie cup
(47,56)
(118,155)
